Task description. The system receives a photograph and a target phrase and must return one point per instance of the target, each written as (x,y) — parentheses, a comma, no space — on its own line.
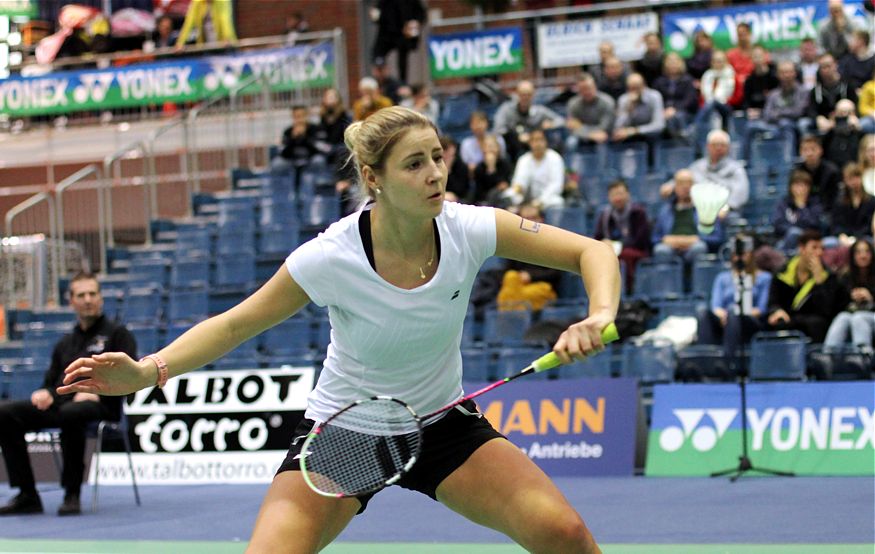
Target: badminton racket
(373,442)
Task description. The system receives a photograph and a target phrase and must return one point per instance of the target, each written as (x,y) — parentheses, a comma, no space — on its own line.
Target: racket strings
(363,448)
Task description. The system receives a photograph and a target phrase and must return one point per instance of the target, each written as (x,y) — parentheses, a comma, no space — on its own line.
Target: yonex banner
(774,25)
(806,428)
(181,80)
(570,43)
(18,8)
(568,427)
(228,426)
(477,53)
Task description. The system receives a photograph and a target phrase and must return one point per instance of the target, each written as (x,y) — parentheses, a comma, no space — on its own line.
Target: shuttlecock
(708,199)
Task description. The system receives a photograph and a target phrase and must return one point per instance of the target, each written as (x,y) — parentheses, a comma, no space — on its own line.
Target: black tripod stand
(739,246)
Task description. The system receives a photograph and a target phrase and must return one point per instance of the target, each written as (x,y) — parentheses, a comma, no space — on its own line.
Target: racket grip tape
(551,360)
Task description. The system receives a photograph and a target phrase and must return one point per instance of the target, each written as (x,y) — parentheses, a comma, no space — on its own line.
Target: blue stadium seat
(669,159)
(236,270)
(144,272)
(570,218)
(511,361)
(568,312)
(321,211)
(505,328)
(648,362)
(143,305)
(470,331)
(194,240)
(704,362)
(20,383)
(599,365)
(659,277)
(292,337)
(477,365)
(190,273)
(571,286)
(278,239)
(705,270)
(456,112)
(244,356)
(233,239)
(275,211)
(188,305)
(683,306)
(147,337)
(778,355)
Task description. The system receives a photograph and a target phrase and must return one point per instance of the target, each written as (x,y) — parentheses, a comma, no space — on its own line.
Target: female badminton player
(396,278)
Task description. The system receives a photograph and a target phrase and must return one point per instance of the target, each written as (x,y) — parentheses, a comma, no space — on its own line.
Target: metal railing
(29,252)
(92,240)
(118,182)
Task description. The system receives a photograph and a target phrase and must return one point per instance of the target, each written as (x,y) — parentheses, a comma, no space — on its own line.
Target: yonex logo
(455,295)
(703,437)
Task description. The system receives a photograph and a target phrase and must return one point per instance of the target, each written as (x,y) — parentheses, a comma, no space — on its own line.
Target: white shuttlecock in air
(709,199)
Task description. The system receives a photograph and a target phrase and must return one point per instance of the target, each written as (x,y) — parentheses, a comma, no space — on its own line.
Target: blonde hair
(865,143)
(371,140)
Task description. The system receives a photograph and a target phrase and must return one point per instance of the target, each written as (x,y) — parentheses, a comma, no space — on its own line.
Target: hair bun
(351,135)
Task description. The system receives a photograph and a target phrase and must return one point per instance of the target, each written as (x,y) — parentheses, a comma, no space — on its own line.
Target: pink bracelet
(162,369)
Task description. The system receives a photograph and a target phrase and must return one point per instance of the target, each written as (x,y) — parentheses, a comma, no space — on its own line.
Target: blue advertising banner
(777,25)
(477,53)
(806,428)
(570,427)
(182,80)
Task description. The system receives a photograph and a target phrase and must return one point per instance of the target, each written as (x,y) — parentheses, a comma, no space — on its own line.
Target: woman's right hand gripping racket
(372,443)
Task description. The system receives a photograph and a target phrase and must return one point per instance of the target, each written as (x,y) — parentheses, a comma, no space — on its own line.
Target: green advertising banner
(183,80)
(805,428)
(19,8)
(780,25)
(484,52)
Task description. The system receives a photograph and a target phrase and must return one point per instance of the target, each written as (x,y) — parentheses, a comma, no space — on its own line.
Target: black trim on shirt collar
(368,243)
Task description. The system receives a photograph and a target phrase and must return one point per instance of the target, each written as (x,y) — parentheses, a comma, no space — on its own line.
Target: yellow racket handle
(551,360)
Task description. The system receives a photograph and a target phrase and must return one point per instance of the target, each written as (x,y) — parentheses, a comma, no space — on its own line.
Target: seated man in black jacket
(93,334)
(804,295)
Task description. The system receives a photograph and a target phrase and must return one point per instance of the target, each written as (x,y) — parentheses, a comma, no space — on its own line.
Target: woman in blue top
(722,322)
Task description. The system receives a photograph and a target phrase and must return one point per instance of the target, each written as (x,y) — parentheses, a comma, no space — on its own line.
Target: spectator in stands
(93,334)
(458,176)
(717,87)
(650,65)
(517,118)
(676,228)
(399,25)
(825,175)
(392,88)
(613,80)
(857,321)
(333,121)
(473,147)
(825,96)
(300,143)
(700,61)
(842,142)
(423,102)
(165,36)
(492,175)
(719,168)
(835,34)
(524,285)
(640,115)
(858,65)
(220,28)
(680,99)
(761,81)
(296,24)
(722,323)
(539,177)
(784,106)
(606,51)
(741,57)
(797,212)
(370,100)
(853,211)
(590,115)
(804,295)
(867,163)
(624,225)
(866,107)
(809,65)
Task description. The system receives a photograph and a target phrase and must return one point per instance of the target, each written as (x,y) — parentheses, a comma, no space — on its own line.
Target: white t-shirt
(386,340)
(541,180)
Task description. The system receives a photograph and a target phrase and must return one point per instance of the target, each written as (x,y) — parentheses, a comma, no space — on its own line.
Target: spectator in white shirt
(539,177)
(718,86)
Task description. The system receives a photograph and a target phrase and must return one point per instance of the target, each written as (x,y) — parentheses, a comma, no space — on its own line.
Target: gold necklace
(430,260)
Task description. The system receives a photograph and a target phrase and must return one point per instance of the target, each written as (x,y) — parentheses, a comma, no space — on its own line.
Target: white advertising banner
(576,42)
(211,426)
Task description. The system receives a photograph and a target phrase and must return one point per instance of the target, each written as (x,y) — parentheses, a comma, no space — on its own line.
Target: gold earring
(378,190)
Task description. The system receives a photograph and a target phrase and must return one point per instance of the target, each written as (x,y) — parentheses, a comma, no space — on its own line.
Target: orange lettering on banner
(584,413)
(520,419)
(493,413)
(553,416)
